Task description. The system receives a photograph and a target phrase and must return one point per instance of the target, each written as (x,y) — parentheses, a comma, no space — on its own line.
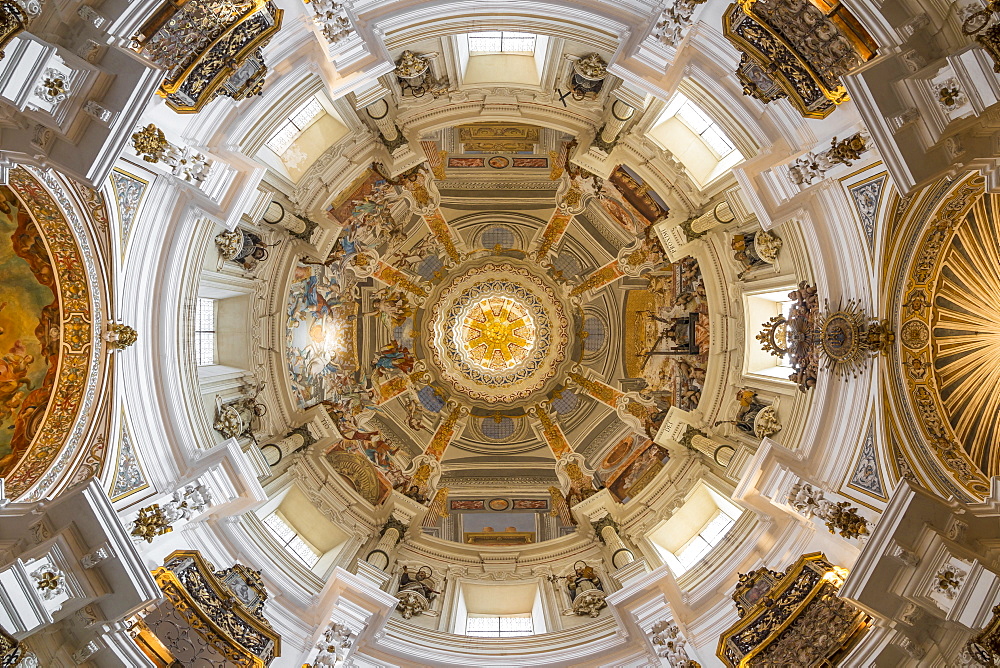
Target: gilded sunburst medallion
(498,331)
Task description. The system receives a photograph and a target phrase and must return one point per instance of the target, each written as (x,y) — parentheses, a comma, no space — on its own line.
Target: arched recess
(57,358)
(940,266)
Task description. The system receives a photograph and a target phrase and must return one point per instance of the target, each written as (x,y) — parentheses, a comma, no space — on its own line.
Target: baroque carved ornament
(799,49)
(938,321)
(209,48)
(844,339)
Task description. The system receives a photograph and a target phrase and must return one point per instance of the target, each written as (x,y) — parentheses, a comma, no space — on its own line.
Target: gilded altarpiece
(802,47)
(208,614)
(209,48)
(793,618)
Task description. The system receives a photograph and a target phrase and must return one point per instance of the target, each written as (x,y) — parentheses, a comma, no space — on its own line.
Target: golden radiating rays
(966,341)
(499,333)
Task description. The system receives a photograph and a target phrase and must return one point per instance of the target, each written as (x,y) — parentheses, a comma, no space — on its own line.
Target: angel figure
(393,306)
(415,413)
(393,358)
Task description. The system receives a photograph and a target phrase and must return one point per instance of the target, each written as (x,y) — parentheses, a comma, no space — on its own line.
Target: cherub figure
(393,306)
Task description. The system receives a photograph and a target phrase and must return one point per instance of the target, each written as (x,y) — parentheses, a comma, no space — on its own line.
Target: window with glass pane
(501,42)
(291,541)
(699,123)
(499,627)
(204,331)
(297,121)
(710,536)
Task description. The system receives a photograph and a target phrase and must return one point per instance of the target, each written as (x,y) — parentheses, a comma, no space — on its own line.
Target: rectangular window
(204,331)
(499,627)
(294,125)
(709,131)
(710,536)
(501,42)
(291,541)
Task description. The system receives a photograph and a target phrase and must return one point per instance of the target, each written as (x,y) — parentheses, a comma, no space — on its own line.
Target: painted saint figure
(393,358)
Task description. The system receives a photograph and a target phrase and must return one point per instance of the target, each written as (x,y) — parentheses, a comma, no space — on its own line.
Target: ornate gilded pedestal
(209,48)
(794,618)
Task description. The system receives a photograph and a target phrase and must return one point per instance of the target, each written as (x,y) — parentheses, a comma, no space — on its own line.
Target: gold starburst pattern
(499,333)
(966,333)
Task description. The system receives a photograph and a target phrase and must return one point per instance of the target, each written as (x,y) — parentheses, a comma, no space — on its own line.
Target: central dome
(498,330)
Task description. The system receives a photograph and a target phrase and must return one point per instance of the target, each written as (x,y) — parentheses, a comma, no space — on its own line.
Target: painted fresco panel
(669,316)
(29,329)
(638,471)
(320,339)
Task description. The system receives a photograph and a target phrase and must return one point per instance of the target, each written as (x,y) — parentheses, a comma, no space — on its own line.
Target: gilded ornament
(150,143)
(914,334)
(839,517)
(13,19)
(53,88)
(225,608)
(984,647)
(150,523)
(48,580)
(798,48)
(950,96)
(948,580)
(794,618)
(229,243)
(120,337)
(499,333)
(411,66)
(844,338)
(988,37)
(591,67)
(845,151)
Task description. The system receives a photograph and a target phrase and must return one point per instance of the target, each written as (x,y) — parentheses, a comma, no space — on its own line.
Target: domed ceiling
(478,317)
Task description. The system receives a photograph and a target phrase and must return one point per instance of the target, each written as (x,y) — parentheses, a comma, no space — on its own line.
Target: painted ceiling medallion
(498,331)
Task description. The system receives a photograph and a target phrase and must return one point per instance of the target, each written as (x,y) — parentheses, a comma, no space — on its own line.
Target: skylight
(204,331)
(700,124)
(294,125)
(292,541)
(501,42)
(499,626)
(703,542)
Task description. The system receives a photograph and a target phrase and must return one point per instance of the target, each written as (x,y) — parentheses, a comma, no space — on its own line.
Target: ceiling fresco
(442,333)
(29,328)
(46,320)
